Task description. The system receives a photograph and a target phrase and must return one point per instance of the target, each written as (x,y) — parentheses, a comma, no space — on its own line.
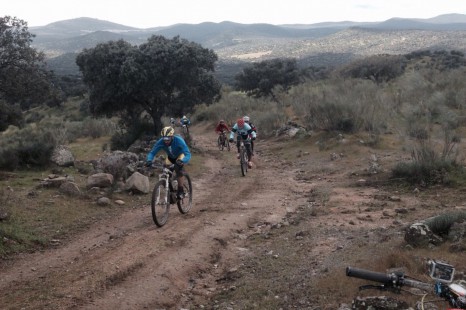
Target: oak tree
(162,77)
(24,79)
(260,79)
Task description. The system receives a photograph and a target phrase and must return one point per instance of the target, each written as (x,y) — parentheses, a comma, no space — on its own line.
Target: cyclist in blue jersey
(177,153)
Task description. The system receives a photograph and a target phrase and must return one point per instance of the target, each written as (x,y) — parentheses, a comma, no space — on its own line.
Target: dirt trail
(129,263)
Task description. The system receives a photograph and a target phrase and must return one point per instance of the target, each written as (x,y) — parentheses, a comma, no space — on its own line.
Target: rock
(103,201)
(54,182)
(137,183)
(100,180)
(70,189)
(118,163)
(420,235)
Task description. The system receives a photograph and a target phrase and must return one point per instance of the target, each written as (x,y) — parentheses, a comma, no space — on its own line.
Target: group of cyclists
(184,121)
(178,152)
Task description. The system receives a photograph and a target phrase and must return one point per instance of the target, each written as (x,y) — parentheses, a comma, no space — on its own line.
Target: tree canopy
(162,77)
(259,79)
(23,78)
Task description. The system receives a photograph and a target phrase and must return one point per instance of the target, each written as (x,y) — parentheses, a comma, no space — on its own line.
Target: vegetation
(260,79)
(140,85)
(160,77)
(24,81)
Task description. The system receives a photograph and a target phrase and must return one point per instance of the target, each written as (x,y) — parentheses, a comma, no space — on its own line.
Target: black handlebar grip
(369,275)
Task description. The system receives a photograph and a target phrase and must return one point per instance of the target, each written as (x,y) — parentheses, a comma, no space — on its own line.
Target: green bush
(27,148)
(428,173)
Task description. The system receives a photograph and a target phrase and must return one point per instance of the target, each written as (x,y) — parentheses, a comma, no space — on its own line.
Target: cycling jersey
(243,132)
(221,127)
(178,149)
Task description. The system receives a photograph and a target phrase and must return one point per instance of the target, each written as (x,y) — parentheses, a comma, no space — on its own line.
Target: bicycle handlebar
(371,275)
(394,280)
(453,293)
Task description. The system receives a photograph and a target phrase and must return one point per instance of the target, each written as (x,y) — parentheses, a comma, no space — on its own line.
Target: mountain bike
(185,130)
(442,273)
(243,156)
(164,194)
(223,142)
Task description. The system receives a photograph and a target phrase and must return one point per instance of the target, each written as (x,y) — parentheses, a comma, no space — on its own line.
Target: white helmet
(246,119)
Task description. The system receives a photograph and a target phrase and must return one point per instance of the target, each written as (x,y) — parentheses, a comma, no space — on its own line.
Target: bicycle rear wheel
(220,143)
(160,204)
(185,204)
(243,161)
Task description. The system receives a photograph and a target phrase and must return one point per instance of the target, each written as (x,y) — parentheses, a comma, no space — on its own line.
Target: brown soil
(297,208)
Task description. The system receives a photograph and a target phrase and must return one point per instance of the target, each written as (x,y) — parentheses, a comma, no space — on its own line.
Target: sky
(155,13)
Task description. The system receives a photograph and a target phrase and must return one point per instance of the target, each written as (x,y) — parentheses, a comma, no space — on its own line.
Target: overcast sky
(153,13)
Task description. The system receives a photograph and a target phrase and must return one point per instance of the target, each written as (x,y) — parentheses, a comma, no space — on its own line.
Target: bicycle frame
(222,141)
(164,195)
(243,157)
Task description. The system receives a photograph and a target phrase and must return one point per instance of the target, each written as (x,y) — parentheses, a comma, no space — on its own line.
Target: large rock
(62,156)
(420,235)
(137,183)
(100,180)
(70,189)
(119,164)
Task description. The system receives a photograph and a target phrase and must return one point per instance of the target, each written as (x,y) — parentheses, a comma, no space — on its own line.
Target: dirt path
(128,263)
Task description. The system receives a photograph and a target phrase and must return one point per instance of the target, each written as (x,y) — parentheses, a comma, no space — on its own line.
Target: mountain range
(321,44)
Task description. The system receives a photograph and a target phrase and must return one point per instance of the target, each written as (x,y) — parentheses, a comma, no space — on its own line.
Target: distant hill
(321,44)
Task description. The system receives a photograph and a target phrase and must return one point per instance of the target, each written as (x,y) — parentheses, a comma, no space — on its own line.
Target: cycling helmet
(167,133)
(246,119)
(240,123)
(184,117)
(222,121)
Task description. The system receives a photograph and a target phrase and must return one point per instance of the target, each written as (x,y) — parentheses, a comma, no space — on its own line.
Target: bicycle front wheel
(160,204)
(243,161)
(185,204)
(220,143)
(227,144)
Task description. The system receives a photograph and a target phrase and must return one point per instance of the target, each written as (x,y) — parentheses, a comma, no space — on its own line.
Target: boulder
(70,189)
(420,235)
(100,180)
(137,183)
(119,164)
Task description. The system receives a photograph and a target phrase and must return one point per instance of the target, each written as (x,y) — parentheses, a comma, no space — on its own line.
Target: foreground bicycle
(223,142)
(164,194)
(442,273)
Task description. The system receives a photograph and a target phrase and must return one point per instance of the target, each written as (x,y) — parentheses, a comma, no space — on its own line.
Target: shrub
(27,148)
(427,173)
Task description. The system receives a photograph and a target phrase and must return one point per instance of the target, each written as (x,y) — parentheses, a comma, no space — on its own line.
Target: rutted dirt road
(129,263)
